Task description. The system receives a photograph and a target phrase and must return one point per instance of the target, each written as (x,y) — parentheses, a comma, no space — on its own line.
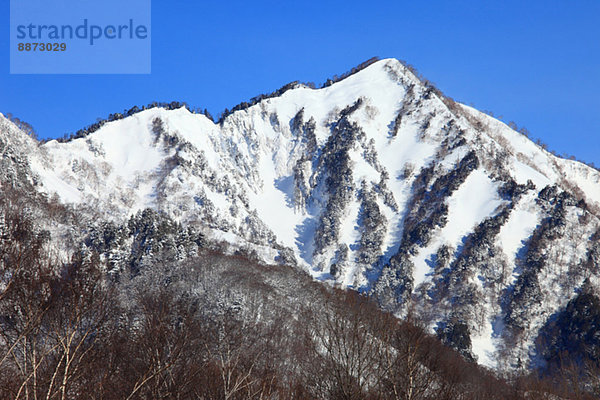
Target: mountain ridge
(377,182)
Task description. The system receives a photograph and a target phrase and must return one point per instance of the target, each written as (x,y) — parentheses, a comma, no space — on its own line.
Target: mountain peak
(376,182)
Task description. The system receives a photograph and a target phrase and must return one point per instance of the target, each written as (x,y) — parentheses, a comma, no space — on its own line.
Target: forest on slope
(212,326)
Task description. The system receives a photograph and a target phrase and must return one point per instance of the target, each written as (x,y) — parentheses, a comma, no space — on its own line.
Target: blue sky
(536,62)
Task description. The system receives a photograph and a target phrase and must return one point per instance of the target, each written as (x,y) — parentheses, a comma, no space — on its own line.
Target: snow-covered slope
(377,182)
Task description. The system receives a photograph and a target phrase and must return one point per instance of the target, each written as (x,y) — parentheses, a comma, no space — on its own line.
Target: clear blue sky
(533,62)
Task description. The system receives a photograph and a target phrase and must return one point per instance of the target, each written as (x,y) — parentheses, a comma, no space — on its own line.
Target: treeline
(239,107)
(27,128)
(22,125)
(358,68)
(174,105)
(292,85)
(257,99)
(525,132)
(431,88)
(454,107)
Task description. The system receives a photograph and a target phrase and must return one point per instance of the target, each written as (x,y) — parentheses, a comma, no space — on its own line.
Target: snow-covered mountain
(377,182)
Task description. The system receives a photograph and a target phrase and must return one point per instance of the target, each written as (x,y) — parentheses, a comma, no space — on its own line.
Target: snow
(523,173)
(53,184)
(305,232)
(273,205)
(130,152)
(518,228)
(350,233)
(124,157)
(584,177)
(349,229)
(529,161)
(484,346)
(471,203)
